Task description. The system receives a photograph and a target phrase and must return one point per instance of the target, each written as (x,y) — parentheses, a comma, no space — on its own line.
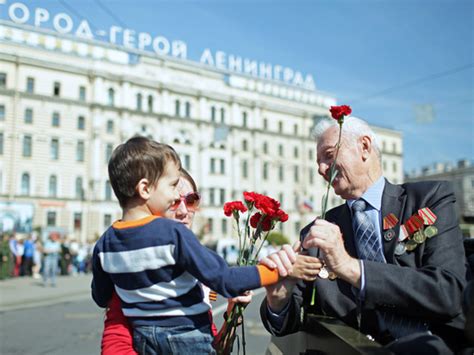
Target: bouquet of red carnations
(254,219)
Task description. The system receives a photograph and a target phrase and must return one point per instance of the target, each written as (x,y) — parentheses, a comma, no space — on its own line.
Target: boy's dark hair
(136,159)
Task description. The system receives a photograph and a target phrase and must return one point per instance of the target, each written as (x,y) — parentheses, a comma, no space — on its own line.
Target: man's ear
(366,146)
(143,189)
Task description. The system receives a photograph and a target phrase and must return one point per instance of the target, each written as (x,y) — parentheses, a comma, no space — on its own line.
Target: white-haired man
(406,299)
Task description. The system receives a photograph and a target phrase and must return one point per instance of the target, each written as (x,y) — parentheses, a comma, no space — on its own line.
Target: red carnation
(338,112)
(266,222)
(234,206)
(267,205)
(281,216)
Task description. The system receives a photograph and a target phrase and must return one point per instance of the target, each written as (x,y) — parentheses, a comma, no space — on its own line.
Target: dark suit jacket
(426,283)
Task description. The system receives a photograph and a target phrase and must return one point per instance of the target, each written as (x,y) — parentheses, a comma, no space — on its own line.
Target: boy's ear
(143,189)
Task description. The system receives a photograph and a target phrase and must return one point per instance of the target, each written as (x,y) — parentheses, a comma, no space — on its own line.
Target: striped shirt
(155,265)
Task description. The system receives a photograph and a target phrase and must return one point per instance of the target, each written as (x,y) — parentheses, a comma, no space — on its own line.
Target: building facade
(461,175)
(65,103)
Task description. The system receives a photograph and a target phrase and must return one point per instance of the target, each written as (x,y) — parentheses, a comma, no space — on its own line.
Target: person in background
(405,293)
(51,250)
(27,258)
(5,257)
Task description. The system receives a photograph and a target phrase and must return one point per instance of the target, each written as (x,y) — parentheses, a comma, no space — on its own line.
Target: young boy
(154,264)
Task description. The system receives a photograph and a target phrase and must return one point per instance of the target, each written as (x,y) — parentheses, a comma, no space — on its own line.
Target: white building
(66,102)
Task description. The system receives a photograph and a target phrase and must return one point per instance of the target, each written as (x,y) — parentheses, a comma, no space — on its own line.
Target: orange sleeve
(117,337)
(267,276)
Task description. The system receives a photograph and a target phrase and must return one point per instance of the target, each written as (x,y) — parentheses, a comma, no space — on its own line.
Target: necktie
(368,242)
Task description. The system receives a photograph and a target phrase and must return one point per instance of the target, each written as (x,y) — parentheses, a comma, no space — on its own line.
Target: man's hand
(328,238)
(306,267)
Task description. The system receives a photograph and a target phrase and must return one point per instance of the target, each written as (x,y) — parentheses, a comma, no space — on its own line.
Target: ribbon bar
(428,216)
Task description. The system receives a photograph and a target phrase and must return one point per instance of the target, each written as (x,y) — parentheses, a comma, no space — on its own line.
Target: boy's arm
(213,271)
(102,286)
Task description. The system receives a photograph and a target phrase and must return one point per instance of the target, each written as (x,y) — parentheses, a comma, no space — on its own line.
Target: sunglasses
(191,201)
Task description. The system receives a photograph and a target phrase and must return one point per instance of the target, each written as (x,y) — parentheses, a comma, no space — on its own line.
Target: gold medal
(411,245)
(419,237)
(332,276)
(431,231)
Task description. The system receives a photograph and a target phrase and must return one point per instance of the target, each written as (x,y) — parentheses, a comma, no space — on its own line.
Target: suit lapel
(393,201)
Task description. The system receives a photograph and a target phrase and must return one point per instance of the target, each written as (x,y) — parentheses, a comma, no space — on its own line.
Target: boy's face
(165,192)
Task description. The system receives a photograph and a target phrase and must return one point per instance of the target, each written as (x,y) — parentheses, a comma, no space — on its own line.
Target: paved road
(63,320)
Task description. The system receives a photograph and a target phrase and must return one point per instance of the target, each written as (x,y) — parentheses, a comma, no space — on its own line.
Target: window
(295,129)
(150,103)
(27,146)
(297,227)
(221,196)
(213,114)
(213,166)
(139,102)
(244,145)
(54,149)
(82,93)
(310,154)
(30,85)
(265,171)
(1,143)
(110,126)
(108,191)
(311,176)
(212,197)
(244,119)
(224,226)
(51,219)
(384,165)
(280,127)
(81,123)
(280,198)
(222,166)
(80,148)
(265,147)
(53,186)
(280,149)
(2,112)
(245,168)
(28,115)
(78,188)
(187,161)
(394,147)
(281,175)
(177,108)
(77,220)
(187,110)
(56,89)
(3,80)
(107,220)
(384,146)
(296,152)
(296,174)
(210,225)
(222,115)
(394,167)
(55,119)
(108,152)
(265,123)
(111,97)
(25,184)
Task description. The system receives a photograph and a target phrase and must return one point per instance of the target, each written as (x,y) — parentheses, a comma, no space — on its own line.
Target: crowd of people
(26,255)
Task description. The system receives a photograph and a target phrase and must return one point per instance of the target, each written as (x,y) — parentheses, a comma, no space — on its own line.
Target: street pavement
(64,320)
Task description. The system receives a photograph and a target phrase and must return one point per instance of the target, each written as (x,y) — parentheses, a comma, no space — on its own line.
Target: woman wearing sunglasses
(117,336)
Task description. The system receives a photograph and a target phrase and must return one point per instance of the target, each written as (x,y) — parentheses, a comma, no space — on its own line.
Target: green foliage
(277,238)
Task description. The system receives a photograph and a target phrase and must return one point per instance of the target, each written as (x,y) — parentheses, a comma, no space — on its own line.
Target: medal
(323,273)
(414,223)
(428,216)
(419,237)
(431,231)
(332,276)
(400,249)
(389,221)
(411,245)
(403,233)
(389,234)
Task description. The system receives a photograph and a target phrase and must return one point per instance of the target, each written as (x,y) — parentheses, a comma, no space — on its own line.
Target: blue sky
(382,57)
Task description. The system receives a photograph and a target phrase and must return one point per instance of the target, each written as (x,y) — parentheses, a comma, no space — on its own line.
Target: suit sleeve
(433,289)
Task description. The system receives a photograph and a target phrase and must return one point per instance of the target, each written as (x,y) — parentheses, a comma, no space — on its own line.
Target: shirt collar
(373,195)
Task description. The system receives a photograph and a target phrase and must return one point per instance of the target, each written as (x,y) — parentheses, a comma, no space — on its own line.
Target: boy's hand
(306,267)
(244,300)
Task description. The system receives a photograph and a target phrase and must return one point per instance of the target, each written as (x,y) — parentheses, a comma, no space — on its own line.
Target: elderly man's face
(348,181)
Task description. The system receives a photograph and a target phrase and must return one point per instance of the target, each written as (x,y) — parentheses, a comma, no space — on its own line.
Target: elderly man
(406,295)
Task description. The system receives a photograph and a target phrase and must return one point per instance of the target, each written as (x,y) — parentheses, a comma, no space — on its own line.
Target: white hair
(353,126)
